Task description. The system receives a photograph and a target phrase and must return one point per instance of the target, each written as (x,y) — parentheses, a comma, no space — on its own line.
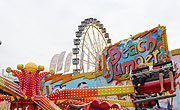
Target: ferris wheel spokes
(94,40)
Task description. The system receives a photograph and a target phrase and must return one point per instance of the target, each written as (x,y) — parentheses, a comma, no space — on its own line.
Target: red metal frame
(154,86)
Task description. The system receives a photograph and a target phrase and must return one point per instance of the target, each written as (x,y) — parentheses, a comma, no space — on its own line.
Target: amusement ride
(95,58)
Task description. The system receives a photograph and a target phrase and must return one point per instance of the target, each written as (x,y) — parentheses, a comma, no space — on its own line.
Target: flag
(97,61)
(68,62)
(81,61)
(60,61)
(88,60)
(54,62)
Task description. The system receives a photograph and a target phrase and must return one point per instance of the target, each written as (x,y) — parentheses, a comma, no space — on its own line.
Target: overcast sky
(35,30)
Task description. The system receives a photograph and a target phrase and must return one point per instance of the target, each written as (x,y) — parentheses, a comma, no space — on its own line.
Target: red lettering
(112,54)
(151,40)
(127,65)
(116,70)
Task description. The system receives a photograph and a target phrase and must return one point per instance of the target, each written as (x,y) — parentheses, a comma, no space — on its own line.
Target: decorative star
(160,31)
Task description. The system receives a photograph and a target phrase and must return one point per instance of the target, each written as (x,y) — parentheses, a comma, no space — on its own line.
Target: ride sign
(147,47)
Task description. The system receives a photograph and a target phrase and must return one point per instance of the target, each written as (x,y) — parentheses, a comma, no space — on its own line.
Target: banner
(68,62)
(53,63)
(60,61)
(88,60)
(81,61)
(97,61)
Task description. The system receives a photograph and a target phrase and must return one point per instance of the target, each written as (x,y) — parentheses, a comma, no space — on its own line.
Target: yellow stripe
(114,90)
(175,52)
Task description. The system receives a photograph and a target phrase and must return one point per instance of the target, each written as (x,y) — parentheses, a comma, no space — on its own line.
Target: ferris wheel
(91,39)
